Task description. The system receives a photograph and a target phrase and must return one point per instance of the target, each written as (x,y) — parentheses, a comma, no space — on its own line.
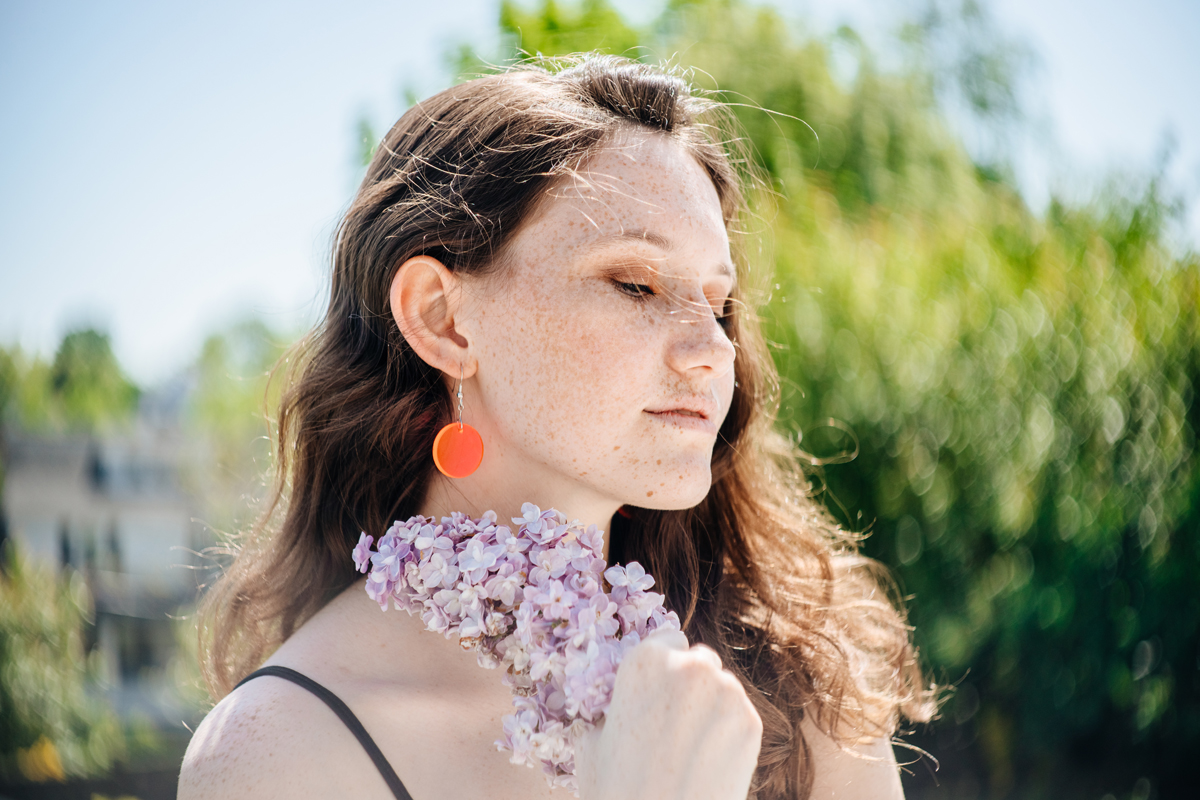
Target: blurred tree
(227,417)
(1020,389)
(51,724)
(976,72)
(368,141)
(88,382)
(83,388)
(550,29)
(9,377)
(25,390)
(555,28)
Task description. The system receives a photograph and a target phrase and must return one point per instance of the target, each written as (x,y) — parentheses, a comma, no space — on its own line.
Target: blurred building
(112,507)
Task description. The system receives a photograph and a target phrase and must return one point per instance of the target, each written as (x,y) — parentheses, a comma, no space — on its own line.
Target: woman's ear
(425,299)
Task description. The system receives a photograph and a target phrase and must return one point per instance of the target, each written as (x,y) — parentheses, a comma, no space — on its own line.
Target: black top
(346,715)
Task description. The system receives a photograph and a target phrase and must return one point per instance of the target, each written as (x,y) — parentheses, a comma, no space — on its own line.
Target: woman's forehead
(649,190)
(643,171)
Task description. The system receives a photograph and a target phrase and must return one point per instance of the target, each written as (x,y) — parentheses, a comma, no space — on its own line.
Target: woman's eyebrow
(724,269)
(636,235)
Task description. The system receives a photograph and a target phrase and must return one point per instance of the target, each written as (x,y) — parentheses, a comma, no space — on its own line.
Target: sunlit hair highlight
(758,571)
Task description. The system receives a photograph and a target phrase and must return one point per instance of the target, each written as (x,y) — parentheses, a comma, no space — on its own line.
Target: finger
(589,737)
(707,654)
(586,754)
(669,638)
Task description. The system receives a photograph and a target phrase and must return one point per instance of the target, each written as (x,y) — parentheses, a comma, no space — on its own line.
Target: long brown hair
(758,570)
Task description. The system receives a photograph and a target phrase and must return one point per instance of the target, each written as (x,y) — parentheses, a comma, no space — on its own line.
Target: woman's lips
(687,420)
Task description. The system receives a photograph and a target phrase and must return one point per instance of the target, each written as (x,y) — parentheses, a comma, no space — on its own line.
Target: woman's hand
(679,726)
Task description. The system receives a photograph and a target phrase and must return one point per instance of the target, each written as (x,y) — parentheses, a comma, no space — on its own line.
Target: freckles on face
(573,356)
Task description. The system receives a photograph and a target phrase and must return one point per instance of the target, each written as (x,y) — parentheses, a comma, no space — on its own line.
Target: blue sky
(169,168)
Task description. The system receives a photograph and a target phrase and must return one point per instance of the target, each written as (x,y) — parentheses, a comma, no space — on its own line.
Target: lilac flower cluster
(538,602)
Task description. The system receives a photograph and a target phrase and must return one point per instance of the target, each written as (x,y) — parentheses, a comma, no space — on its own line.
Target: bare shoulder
(270,739)
(866,771)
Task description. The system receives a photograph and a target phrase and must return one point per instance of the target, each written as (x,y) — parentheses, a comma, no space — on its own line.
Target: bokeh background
(975,247)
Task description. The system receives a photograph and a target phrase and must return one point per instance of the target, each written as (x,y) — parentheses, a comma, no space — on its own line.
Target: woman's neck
(351,638)
(473,497)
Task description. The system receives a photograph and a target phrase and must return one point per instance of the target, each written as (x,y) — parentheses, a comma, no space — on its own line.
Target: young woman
(557,245)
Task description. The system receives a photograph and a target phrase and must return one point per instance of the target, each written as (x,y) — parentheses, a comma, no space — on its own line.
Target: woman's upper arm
(864,772)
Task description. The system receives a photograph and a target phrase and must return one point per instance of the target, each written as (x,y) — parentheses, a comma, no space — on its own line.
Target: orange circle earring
(458,448)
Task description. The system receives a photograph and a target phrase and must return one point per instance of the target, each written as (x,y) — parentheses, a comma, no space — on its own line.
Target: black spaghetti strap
(346,715)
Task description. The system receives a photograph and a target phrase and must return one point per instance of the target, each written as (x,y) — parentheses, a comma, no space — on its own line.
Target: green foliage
(368,142)
(966,59)
(1020,391)
(556,29)
(231,377)
(183,669)
(54,720)
(52,724)
(226,414)
(10,376)
(88,381)
(83,388)
(1023,399)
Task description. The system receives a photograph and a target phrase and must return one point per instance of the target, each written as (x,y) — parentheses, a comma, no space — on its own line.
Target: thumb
(587,747)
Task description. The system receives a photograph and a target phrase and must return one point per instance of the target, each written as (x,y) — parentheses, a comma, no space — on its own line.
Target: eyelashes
(639,291)
(642,292)
(724,313)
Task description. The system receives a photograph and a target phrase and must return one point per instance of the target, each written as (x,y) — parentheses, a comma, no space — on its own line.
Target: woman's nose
(699,341)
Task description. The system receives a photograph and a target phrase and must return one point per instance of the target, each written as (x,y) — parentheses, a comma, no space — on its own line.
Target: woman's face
(604,368)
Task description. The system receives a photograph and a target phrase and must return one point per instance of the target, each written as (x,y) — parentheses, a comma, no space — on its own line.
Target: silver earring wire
(460,400)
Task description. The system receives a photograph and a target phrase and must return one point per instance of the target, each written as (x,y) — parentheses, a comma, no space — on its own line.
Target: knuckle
(753,722)
(733,697)
(698,670)
(731,688)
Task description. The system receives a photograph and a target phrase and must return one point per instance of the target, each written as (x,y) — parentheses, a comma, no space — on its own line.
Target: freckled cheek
(597,368)
(562,360)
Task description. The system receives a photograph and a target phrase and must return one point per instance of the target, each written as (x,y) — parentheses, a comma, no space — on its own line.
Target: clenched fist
(679,726)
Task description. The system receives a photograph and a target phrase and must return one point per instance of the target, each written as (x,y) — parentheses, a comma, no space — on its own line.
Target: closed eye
(638,290)
(723,311)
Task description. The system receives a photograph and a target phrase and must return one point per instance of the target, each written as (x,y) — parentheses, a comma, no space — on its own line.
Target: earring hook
(460,395)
